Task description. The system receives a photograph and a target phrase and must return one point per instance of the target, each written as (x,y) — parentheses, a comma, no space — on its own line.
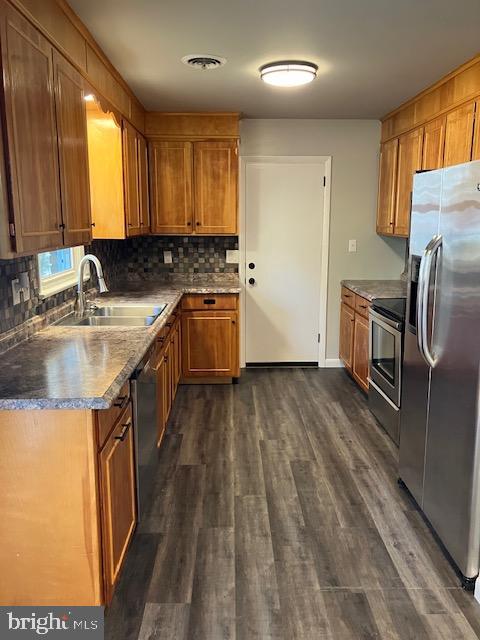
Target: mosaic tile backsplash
(134,259)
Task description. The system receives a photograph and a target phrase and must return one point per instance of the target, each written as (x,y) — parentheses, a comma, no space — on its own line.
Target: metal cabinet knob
(251,265)
(251,281)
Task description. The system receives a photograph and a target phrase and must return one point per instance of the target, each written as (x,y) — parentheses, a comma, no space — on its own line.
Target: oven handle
(424,276)
(383,321)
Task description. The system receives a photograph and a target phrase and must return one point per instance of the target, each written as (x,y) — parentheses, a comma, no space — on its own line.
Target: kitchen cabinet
(459,135)
(387,187)
(210,344)
(354,336)
(117,479)
(215,186)
(167,367)
(409,161)
(360,351)
(171,166)
(46,143)
(347,321)
(194,186)
(433,144)
(118,175)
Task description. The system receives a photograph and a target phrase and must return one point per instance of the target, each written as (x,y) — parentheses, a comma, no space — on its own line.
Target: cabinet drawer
(362,305)
(348,297)
(208,302)
(108,417)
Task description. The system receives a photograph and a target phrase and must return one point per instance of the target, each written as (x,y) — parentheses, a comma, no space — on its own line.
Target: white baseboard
(333,363)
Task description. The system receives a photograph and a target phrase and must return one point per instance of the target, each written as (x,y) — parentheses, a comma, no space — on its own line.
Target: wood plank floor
(277,515)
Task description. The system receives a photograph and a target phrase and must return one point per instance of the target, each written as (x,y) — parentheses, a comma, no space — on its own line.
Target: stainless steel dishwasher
(144,394)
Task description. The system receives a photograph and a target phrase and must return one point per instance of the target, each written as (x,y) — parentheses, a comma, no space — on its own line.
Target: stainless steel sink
(136,311)
(115,316)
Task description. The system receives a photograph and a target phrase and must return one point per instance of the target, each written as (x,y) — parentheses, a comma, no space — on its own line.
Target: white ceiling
(373,54)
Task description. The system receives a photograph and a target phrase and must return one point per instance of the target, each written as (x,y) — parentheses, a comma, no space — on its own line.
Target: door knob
(251,265)
(251,281)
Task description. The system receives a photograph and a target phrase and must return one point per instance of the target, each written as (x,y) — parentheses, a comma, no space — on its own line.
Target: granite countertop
(372,289)
(68,367)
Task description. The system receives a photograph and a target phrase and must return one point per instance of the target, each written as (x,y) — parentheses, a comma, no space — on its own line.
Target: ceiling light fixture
(288,73)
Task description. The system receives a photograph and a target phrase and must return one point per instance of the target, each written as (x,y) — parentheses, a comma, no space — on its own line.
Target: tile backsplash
(133,259)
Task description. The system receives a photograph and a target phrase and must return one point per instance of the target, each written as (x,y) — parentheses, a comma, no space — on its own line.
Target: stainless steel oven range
(387,318)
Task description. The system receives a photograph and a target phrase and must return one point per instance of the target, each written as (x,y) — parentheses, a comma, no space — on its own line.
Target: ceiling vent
(204,62)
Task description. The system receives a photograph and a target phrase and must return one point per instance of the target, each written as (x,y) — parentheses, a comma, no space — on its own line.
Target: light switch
(167,257)
(233,256)
(352,246)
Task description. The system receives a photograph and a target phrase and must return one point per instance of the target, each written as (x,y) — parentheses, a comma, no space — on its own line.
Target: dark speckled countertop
(65,367)
(372,289)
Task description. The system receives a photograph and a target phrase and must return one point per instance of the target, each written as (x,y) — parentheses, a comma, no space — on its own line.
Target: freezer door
(451,483)
(416,373)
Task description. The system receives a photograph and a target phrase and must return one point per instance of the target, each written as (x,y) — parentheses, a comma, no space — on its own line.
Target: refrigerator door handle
(424,277)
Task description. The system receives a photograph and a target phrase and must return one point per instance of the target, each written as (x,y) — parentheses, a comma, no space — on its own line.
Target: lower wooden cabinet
(117,479)
(168,373)
(360,351)
(347,321)
(354,336)
(210,344)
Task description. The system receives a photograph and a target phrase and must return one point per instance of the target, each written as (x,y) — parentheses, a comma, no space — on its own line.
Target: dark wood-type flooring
(277,515)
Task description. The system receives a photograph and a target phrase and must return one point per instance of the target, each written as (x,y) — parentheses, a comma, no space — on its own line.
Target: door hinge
(12,229)
(324,181)
(318,338)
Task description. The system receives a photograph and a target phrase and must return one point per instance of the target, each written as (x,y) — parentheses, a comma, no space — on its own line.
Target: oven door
(386,355)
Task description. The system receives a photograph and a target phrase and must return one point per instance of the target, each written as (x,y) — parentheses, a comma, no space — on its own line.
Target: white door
(284,202)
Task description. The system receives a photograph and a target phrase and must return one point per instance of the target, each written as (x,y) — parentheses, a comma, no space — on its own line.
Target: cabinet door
(210,343)
(117,475)
(216,177)
(347,319)
(476,137)
(27,61)
(171,187)
(386,187)
(144,210)
(130,179)
(360,351)
(409,161)
(73,152)
(433,144)
(459,135)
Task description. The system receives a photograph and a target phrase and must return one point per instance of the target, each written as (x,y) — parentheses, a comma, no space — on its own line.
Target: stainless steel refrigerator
(440,430)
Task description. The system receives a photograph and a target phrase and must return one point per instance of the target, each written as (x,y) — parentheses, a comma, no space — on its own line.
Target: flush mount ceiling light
(203,61)
(288,73)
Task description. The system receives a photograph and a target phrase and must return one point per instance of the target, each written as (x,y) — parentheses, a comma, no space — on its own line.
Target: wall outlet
(352,246)
(167,257)
(233,256)
(21,288)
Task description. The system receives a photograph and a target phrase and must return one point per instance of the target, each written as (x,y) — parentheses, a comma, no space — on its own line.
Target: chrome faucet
(102,287)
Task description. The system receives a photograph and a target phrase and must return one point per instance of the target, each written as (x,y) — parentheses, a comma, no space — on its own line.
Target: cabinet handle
(233,321)
(168,324)
(362,306)
(93,224)
(121,402)
(61,225)
(165,359)
(189,224)
(124,431)
(198,224)
(209,301)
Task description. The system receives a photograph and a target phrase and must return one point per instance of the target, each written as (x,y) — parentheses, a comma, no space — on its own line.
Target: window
(58,270)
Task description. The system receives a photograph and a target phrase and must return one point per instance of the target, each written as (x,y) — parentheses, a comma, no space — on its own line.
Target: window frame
(51,285)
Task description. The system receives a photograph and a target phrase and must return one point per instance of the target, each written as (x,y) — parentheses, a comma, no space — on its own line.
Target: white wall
(354,147)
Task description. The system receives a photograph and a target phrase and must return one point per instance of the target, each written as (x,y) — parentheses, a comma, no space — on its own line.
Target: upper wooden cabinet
(433,144)
(409,161)
(193,173)
(118,175)
(459,135)
(73,156)
(171,164)
(215,179)
(27,59)
(386,187)
(194,187)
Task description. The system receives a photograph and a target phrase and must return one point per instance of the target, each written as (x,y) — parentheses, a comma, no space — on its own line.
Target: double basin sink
(115,316)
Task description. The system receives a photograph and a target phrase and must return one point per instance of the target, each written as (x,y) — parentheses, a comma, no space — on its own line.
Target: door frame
(324,241)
